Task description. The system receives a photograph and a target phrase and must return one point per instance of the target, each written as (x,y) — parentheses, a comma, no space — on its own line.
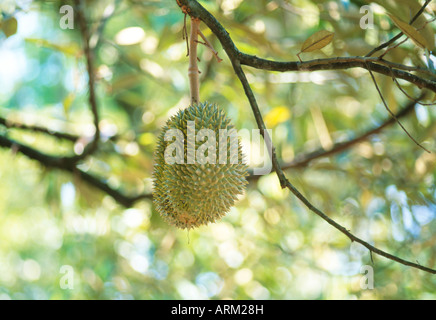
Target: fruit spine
(188,195)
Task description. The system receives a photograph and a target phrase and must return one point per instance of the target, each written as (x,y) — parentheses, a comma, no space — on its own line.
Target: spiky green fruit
(190,193)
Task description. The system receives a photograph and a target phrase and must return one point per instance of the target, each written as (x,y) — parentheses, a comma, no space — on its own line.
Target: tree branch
(121,198)
(352,237)
(93,145)
(235,56)
(54,133)
(341,63)
(303,159)
(128,201)
(197,10)
(69,161)
(393,115)
(60,135)
(58,163)
(408,96)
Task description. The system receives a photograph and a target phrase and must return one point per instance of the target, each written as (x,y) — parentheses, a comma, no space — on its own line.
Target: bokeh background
(269,246)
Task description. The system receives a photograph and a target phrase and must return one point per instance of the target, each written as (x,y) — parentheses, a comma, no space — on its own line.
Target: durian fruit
(188,195)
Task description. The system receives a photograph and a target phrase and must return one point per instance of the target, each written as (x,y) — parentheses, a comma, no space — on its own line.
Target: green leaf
(9,27)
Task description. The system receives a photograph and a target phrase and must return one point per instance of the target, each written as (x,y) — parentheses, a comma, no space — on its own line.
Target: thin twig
(393,114)
(393,47)
(209,45)
(398,36)
(93,145)
(408,96)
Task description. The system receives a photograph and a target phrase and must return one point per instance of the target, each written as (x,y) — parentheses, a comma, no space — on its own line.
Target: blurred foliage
(269,246)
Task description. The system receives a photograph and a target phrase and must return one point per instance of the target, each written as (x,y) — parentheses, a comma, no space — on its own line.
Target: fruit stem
(194,82)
